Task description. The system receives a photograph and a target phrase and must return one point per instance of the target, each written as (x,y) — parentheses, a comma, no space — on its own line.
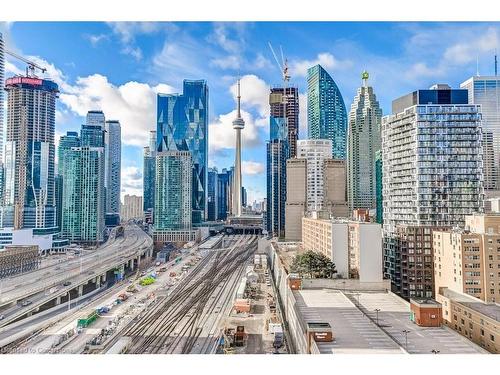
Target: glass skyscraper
(112,161)
(486,92)
(148,180)
(223,193)
(326,112)
(30,153)
(182,125)
(378,188)
(212,201)
(431,178)
(290,104)
(363,142)
(71,139)
(277,154)
(173,208)
(83,193)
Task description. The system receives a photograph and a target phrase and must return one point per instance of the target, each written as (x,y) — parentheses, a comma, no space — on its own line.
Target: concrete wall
(293,221)
(294,324)
(348,284)
(340,255)
(370,253)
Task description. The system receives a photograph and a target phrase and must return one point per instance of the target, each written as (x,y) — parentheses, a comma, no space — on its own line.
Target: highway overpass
(59,283)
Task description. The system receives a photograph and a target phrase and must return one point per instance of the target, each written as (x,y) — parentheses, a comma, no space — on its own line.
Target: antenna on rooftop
(496,63)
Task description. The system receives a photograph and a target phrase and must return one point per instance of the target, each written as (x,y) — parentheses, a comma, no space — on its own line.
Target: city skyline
(232,49)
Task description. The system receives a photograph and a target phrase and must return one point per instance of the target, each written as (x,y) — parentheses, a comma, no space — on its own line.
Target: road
(37,284)
(53,338)
(187,320)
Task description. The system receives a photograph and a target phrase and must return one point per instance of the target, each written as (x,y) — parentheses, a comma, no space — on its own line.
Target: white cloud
(12,69)
(221,36)
(222,135)
(127,31)
(96,39)
(467,51)
(131,181)
(325,59)
(252,168)
(132,103)
(254,93)
(231,61)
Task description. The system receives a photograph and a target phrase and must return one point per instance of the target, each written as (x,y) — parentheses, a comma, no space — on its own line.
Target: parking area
(394,319)
(353,332)
(356,330)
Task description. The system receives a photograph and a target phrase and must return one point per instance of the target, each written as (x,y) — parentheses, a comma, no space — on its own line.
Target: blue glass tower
(182,125)
(278,152)
(212,194)
(326,112)
(223,193)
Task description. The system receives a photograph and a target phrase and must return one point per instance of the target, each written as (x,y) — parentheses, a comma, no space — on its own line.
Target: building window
(492,338)
(482,332)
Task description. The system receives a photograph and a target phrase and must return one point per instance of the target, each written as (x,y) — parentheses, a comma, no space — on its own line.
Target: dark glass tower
(182,125)
(212,194)
(278,106)
(277,154)
(326,112)
(223,193)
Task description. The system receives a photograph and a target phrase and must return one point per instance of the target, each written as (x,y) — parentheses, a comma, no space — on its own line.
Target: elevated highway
(25,294)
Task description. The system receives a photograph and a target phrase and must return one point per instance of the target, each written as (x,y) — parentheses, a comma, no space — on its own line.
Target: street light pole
(69,300)
(405,331)
(377,311)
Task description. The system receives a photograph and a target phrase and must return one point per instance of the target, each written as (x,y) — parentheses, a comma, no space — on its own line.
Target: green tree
(313,265)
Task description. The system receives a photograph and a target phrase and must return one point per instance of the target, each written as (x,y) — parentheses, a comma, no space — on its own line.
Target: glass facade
(364,140)
(212,201)
(289,102)
(83,190)
(431,173)
(173,203)
(29,200)
(378,188)
(223,193)
(486,92)
(112,161)
(71,139)
(278,152)
(326,111)
(149,174)
(182,125)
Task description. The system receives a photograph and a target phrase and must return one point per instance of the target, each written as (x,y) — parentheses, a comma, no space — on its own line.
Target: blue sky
(119,68)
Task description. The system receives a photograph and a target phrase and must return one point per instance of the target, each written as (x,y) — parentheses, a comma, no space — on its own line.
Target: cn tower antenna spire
(239,99)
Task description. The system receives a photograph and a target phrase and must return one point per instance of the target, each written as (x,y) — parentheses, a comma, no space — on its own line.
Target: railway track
(176,322)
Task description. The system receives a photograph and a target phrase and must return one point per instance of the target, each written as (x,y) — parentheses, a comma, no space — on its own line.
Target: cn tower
(238,124)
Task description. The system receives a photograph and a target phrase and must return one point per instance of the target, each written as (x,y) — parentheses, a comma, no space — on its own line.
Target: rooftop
(358,328)
(491,310)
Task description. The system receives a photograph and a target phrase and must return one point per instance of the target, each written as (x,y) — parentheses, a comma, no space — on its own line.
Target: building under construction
(18,259)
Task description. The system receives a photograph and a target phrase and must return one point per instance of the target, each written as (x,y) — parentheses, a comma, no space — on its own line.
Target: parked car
(2,317)
(26,302)
(67,283)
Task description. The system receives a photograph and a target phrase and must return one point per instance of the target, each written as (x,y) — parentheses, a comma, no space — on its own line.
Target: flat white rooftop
(356,331)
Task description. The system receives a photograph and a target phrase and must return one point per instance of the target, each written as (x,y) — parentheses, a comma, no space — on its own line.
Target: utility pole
(377,311)
(405,331)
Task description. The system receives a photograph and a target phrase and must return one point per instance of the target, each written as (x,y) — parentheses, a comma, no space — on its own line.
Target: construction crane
(31,66)
(283,66)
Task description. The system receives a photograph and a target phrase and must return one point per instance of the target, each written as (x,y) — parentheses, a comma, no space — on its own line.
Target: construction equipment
(31,66)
